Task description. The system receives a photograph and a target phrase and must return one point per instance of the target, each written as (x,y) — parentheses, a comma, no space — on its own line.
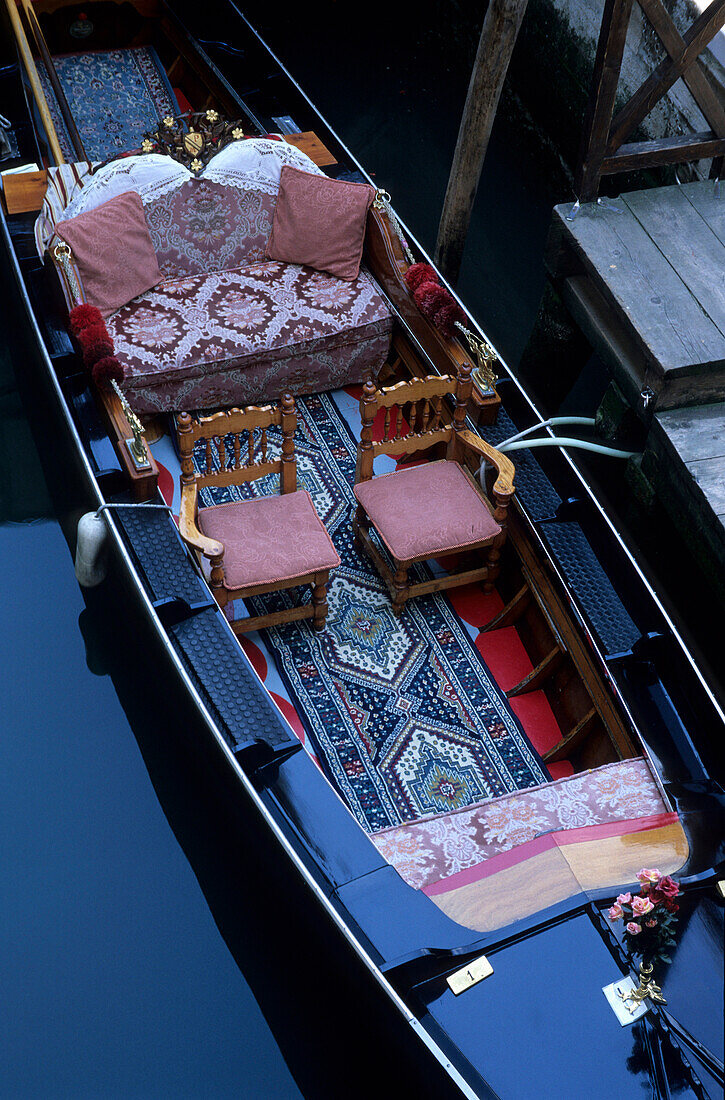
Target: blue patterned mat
(402,712)
(114,97)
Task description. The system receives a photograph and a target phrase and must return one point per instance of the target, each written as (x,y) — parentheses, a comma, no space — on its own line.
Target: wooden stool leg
(494,568)
(216,582)
(358,521)
(400,580)
(319,600)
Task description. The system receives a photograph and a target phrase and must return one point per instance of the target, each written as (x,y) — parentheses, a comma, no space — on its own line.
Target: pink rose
(640,906)
(634,929)
(647,875)
(668,887)
(615,912)
(624,899)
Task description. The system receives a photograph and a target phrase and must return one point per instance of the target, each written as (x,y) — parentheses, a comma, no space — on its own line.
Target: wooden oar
(65,110)
(35,84)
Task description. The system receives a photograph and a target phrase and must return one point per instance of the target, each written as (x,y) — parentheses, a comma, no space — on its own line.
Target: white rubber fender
(91,550)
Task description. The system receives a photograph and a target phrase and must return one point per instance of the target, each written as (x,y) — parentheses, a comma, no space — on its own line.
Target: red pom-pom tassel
(418,274)
(430,297)
(446,317)
(82,316)
(95,344)
(107,369)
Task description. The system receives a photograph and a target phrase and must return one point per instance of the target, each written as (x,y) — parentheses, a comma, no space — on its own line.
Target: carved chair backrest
(414,419)
(237,446)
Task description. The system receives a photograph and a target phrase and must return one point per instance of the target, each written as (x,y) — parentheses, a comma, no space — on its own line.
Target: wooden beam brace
(538,675)
(696,38)
(513,610)
(695,78)
(572,740)
(607,66)
(676,150)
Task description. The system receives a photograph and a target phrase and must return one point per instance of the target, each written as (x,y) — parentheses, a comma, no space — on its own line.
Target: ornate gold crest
(192,139)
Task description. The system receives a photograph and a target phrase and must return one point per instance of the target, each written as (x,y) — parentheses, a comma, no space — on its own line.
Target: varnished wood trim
(504,466)
(572,740)
(512,611)
(538,675)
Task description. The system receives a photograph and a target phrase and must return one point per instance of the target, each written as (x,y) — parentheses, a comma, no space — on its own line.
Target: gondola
(452,784)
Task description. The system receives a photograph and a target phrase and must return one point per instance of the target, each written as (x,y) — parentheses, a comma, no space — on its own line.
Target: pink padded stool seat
(427,510)
(269,539)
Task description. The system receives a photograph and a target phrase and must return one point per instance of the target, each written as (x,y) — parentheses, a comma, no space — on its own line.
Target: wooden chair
(265,544)
(434,509)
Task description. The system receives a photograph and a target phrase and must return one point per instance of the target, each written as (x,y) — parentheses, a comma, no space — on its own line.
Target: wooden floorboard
(643,287)
(687,242)
(709,204)
(696,435)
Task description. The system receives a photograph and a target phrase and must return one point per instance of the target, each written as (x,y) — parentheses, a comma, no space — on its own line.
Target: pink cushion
(113,251)
(269,539)
(320,222)
(426,510)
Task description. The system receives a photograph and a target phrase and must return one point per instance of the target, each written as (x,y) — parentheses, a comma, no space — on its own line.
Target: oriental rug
(403,714)
(114,97)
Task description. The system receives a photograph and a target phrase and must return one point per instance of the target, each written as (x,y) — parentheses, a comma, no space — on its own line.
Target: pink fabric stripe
(556,839)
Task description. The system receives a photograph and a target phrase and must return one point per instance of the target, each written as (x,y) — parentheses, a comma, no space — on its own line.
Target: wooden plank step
(666,320)
(687,242)
(708,204)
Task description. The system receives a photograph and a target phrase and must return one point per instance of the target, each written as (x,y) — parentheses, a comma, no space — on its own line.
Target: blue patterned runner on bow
(114,97)
(402,711)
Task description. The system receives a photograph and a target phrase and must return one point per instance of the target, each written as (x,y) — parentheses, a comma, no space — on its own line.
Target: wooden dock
(644,278)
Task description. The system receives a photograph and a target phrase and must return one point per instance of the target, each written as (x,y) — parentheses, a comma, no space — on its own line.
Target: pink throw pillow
(113,252)
(320,222)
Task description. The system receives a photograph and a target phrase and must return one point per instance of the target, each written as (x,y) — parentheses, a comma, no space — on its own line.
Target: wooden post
(37,89)
(498,37)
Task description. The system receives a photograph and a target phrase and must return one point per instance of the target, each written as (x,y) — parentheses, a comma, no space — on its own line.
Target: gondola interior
(473,734)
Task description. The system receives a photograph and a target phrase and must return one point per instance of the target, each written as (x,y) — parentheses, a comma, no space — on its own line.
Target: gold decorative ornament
(193,142)
(136,446)
(192,139)
(647,988)
(484,376)
(62,256)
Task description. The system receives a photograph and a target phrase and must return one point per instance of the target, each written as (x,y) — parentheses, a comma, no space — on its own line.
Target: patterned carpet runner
(402,711)
(114,96)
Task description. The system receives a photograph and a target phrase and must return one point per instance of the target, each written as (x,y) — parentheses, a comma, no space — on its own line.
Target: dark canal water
(116,980)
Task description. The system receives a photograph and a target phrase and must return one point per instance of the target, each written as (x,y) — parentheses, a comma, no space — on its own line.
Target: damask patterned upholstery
(244,336)
(257,544)
(434,848)
(428,509)
(204,226)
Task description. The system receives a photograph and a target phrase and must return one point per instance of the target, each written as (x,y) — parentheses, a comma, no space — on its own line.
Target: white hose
(562,441)
(589,420)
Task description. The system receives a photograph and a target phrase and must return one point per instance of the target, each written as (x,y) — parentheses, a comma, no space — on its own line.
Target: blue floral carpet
(114,97)
(402,712)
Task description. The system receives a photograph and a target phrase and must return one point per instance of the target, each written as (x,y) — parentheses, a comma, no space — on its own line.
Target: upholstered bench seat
(426,510)
(234,337)
(226,326)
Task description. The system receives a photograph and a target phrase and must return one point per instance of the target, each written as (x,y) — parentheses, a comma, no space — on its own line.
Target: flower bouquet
(649,921)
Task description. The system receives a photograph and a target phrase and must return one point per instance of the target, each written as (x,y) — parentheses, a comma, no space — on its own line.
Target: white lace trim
(252,164)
